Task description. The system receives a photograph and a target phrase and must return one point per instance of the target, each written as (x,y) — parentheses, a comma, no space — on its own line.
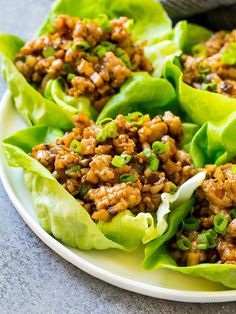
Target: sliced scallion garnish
(76,146)
(48,52)
(136,118)
(73,169)
(160,148)
(184,243)
(153,160)
(120,161)
(76,45)
(128,177)
(191,224)
(220,223)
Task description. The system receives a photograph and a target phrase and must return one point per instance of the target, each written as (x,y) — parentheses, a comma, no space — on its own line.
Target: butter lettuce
(151,23)
(214,142)
(31,105)
(60,214)
(141,93)
(198,105)
(157,255)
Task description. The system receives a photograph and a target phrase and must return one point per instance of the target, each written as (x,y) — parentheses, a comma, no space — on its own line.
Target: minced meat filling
(209,236)
(212,66)
(120,164)
(93,58)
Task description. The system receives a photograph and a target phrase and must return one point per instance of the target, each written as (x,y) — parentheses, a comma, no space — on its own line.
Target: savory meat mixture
(94,57)
(120,164)
(209,234)
(212,66)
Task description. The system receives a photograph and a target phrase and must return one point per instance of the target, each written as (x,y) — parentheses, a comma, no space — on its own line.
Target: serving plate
(115,267)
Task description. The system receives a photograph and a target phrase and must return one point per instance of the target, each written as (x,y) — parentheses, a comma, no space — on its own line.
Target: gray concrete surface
(34,279)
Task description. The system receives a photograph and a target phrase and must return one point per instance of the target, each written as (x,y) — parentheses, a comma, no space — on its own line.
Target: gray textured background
(33,279)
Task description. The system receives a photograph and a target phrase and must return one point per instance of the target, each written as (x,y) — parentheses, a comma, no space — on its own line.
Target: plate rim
(94,270)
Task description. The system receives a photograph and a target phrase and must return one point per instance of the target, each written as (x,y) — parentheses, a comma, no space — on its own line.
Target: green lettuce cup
(157,255)
(61,215)
(37,109)
(199,106)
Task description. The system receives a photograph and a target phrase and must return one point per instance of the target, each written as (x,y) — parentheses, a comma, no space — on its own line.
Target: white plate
(115,267)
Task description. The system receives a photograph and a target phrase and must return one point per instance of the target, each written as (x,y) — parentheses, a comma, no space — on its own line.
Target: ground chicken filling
(209,235)
(94,57)
(212,66)
(120,164)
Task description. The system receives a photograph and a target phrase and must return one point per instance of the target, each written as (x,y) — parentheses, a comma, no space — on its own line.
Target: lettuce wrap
(157,255)
(199,106)
(36,109)
(60,214)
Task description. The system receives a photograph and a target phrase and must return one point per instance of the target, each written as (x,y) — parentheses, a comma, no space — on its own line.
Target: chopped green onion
(211,234)
(154,164)
(67,68)
(76,146)
(233,212)
(101,136)
(48,52)
(159,147)
(107,44)
(109,130)
(120,53)
(128,177)
(136,118)
(184,243)
(102,49)
(204,68)
(153,160)
(229,54)
(105,121)
(103,22)
(199,51)
(73,169)
(119,161)
(233,169)
(220,223)
(209,86)
(207,240)
(70,76)
(202,238)
(80,44)
(191,224)
(211,237)
(84,188)
(202,246)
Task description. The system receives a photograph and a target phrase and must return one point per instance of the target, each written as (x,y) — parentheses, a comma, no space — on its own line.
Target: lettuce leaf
(36,109)
(157,255)
(192,35)
(141,93)
(172,201)
(58,212)
(72,105)
(215,142)
(150,19)
(199,106)
(31,105)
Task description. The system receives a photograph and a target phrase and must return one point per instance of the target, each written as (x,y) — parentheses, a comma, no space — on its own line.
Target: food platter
(113,266)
